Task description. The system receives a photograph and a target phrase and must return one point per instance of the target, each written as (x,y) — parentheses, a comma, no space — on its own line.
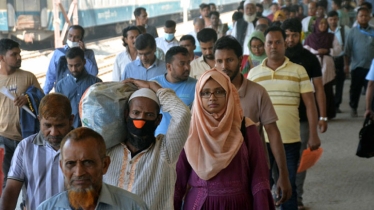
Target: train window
(27,5)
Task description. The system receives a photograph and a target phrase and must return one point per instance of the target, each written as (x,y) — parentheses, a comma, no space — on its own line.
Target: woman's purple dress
(243,184)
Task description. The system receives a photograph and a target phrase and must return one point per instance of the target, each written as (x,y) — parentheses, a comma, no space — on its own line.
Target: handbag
(365,147)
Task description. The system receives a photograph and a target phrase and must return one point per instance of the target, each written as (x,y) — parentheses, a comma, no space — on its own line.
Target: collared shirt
(360,48)
(284,85)
(164,45)
(122,59)
(151,173)
(339,37)
(9,113)
(36,164)
(73,88)
(198,67)
(50,77)
(136,70)
(110,198)
(184,90)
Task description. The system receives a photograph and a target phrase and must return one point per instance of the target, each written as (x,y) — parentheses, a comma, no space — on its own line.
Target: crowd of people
(219,119)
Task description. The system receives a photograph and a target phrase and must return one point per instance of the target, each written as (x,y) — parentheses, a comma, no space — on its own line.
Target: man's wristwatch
(323,119)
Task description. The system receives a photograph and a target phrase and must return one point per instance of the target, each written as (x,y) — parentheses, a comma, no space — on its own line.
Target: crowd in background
(218,118)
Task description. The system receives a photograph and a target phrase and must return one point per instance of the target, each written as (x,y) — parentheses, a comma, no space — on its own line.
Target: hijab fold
(214,139)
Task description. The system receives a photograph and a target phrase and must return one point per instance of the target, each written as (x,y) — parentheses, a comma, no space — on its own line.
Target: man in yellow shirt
(286,82)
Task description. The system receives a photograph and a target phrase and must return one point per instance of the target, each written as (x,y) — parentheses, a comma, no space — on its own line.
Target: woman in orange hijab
(223,160)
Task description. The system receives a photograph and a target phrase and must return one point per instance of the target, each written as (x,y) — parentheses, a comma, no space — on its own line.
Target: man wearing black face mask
(145,164)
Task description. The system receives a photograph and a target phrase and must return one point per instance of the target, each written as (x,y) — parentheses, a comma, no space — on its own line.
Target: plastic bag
(309,158)
(102,108)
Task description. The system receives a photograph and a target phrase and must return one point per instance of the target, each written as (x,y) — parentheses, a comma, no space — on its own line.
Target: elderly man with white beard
(243,28)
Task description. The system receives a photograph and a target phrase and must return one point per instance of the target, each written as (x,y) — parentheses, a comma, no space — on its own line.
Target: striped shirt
(284,85)
(36,164)
(151,174)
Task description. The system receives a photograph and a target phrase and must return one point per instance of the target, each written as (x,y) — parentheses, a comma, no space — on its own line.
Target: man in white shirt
(169,40)
(207,37)
(129,35)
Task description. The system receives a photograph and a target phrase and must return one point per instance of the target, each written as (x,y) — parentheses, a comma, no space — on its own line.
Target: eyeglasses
(257,47)
(216,93)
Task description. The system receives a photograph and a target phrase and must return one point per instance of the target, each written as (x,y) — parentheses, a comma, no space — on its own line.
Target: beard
(82,198)
(54,141)
(209,56)
(249,18)
(294,51)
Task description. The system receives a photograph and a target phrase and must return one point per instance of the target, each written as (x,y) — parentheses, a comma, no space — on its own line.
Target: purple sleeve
(259,171)
(183,174)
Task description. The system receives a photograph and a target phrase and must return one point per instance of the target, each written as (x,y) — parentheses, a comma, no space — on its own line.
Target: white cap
(250,2)
(145,92)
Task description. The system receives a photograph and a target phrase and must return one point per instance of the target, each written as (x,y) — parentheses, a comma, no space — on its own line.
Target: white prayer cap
(250,2)
(145,92)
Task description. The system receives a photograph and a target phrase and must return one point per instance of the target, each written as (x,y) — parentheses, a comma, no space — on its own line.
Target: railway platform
(339,181)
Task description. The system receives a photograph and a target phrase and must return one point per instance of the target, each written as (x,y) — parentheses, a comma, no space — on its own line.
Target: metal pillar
(73,12)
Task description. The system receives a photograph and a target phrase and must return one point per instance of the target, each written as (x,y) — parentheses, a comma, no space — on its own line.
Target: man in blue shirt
(147,66)
(359,52)
(177,78)
(75,84)
(74,39)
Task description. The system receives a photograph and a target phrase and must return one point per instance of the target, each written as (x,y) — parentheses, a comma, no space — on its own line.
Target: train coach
(34,20)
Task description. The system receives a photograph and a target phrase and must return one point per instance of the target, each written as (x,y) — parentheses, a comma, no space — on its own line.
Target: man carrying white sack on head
(144,164)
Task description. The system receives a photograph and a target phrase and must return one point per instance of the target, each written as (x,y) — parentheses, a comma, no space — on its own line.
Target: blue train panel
(104,16)
(3,20)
